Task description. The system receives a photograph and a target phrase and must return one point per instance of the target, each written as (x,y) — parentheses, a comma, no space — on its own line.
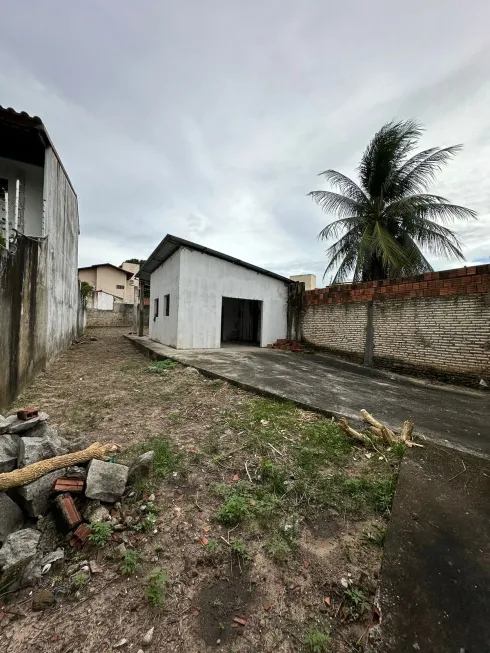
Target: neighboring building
(100,300)
(38,252)
(109,278)
(200,298)
(132,286)
(308,279)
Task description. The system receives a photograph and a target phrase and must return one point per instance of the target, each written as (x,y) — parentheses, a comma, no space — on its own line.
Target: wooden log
(407,431)
(352,432)
(387,434)
(32,472)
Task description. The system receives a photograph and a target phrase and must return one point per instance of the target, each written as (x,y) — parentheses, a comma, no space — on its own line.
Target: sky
(211,120)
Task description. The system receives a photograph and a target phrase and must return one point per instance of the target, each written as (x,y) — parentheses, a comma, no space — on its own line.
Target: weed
(79,580)
(160,367)
(165,461)
(217,603)
(101,534)
(148,523)
(239,550)
(398,449)
(357,603)
(212,546)
(174,415)
(235,508)
(317,641)
(155,592)
(279,550)
(130,561)
(376,536)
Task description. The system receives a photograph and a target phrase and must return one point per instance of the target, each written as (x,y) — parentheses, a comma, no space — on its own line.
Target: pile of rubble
(62,504)
(286,344)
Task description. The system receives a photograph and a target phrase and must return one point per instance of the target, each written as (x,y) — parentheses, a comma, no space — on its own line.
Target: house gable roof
(170,244)
(107,265)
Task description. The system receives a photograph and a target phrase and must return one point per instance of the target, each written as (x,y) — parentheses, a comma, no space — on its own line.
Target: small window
(166,301)
(120,287)
(155,308)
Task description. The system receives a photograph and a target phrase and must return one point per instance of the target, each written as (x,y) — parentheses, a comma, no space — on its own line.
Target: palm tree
(389,216)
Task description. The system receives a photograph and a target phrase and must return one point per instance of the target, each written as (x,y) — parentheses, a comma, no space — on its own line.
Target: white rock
(148,638)
(106,481)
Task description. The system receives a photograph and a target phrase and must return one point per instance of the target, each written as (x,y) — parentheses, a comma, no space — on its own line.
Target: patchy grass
(267,513)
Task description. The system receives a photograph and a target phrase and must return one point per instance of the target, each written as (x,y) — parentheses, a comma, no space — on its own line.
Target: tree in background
(139,261)
(390,216)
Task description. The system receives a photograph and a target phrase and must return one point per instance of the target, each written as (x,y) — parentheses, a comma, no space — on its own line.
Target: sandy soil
(102,390)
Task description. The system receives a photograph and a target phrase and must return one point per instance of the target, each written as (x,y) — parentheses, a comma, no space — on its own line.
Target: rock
(95,568)
(54,556)
(95,513)
(11,517)
(9,452)
(76,472)
(22,426)
(120,550)
(42,599)
(106,481)
(122,642)
(148,638)
(4,424)
(191,370)
(18,559)
(32,573)
(34,497)
(142,466)
(19,546)
(43,442)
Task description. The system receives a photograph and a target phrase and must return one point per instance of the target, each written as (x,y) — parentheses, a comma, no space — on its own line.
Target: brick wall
(438,321)
(339,328)
(121,315)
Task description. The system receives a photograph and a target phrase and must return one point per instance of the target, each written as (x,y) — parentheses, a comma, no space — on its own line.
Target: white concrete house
(203,299)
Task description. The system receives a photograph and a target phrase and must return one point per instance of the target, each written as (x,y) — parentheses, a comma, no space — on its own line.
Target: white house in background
(101,300)
(203,299)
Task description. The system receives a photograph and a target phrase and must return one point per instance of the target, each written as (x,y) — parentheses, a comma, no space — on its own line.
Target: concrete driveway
(459,418)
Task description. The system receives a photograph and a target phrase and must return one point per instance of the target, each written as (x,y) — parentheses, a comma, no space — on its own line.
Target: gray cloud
(212,120)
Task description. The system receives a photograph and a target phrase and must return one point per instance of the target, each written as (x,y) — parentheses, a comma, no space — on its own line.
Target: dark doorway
(241,321)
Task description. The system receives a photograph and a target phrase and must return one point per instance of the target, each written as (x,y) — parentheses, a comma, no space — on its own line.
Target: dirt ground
(268,528)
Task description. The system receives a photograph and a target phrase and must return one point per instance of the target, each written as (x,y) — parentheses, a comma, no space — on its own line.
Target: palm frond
(428,205)
(439,240)
(388,249)
(335,203)
(416,176)
(387,150)
(334,229)
(345,185)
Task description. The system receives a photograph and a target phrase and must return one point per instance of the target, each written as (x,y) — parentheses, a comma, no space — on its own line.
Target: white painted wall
(101,300)
(165,280)
(31,193)
(205,280)
(61,211)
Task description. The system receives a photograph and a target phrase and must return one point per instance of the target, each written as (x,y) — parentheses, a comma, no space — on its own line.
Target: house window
(166,301)
(120,287)
(155,308)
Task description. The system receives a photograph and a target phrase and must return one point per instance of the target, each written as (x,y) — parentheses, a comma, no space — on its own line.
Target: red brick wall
(436,323)
(463,281)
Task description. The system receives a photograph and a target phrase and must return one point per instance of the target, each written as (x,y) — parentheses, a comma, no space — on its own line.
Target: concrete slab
(453,417)
(435,575)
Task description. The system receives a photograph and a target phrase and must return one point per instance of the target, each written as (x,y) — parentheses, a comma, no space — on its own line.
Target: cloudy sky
(210,120)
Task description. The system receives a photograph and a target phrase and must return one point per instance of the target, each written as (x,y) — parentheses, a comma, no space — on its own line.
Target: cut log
(387,434)
(352,432)
(407,431)
(32,472)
